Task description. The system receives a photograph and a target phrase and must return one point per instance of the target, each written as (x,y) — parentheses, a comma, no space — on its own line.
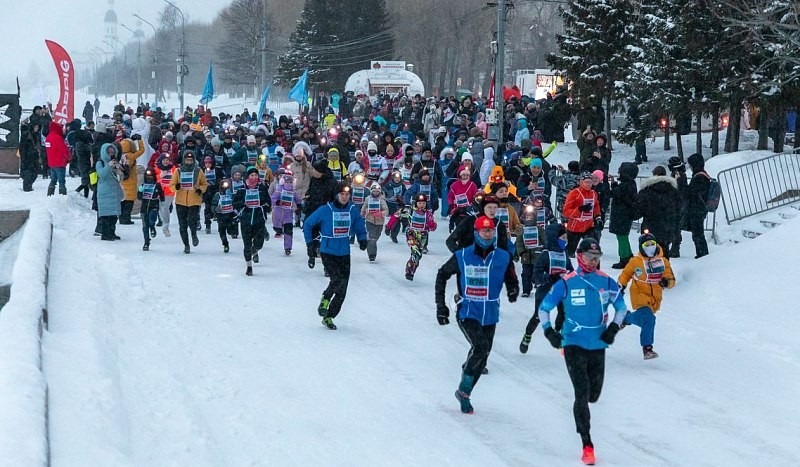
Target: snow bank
(23,390)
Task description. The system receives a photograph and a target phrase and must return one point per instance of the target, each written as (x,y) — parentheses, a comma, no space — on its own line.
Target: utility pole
(182,70)
(138,66)
(155,60)
(263,51)
(499,72)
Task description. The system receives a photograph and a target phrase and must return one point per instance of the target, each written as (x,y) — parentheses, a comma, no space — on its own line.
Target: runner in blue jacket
(586,294)
(335,221)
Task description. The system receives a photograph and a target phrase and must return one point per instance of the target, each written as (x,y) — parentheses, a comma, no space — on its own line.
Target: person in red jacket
(58,157)
(167,145)
(582,209)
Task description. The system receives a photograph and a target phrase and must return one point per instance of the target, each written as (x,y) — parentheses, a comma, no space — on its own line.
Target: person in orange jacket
(189,184)
(164,170)
(582,209)
(649,273)
(131,150)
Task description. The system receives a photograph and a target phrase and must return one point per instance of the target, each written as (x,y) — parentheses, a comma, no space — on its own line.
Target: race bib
(358,195)
(166,177)
(251,198)
(417,221)
(226,204)
(502,215)
(374,167)
(405,176)
(425,190)
(148,191)
(477,283)
(237,185)
(252,157)
(397,191)
(211,176)
(530,236)
(187,180)
(287,198)
(262,175)
(558,262)
(337,175)
(541,217)
(587,216)
(654,270)
(218,159)
(538,186)
(273,160)
(373,205)
(461,200)
(341,224)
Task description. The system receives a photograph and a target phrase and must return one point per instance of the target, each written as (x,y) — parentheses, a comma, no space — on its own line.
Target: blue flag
(262,107)
(208,90)
(298,92)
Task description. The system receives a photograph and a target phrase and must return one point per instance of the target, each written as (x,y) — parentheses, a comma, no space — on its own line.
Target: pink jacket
(463,192)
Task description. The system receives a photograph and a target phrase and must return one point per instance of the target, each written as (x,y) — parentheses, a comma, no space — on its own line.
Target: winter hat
(463,169)
(359,151)
(371,146)
(423,173)
(494,187)
(484,222)
(251,139)
(164,158)
(659,170)
(466,157)
(342,187)
(598,174)
(536,163)
(332,151)
(375,186)
(489,199)
(586,175)
(650,250)
(675,164)
(215,141)
(168,135)
(696,161)
(589,245)
(251,170)
(320,165)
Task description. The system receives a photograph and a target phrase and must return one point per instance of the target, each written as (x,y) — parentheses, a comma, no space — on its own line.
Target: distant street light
(155,58)
(138,66)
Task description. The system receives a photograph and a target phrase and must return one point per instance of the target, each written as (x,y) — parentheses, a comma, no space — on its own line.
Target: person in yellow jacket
(649,273)
(497,176)
(131,150)
(189,183)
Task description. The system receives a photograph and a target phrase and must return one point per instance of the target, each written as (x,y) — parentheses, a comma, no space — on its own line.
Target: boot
(86,191)
(146,247)
(186,249)
(526,342)
(195,240)
(648,352)
(51,190)
(226,248)
(463,392)
(79,189)
(62,190)
(328,323)
(324,304)
(622,263)
(249,271)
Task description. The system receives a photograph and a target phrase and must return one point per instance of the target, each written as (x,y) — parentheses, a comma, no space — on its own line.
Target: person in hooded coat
(659,204)
(29,159)
(58,157)
(321,190)
(189,183)
(623,210)
(109,191)
(696,204)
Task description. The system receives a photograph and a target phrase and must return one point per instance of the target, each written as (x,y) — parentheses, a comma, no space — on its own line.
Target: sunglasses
(591,255)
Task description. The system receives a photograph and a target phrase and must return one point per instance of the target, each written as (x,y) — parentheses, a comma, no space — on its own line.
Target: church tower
(110,22)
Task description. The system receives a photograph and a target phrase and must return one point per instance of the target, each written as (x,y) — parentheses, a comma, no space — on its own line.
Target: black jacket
(696,195)
(623,200)
(28,149)
(464,235)
(659,205)
(542,275)
(320,192)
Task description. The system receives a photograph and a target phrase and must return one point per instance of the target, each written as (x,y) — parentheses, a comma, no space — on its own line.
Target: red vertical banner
(65,108)
(490,104)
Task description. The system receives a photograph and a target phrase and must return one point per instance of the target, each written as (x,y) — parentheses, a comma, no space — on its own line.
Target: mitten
(598,223)
(664,282)
(312,252)
(362,245)
(198,191)
(513,293)
(442,314)
(553,337)
(586,208)
(610,333)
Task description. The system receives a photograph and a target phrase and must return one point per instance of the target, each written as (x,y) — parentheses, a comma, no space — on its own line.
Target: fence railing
(760,186)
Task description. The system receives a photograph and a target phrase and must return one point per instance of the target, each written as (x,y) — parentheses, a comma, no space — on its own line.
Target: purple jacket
(285,200)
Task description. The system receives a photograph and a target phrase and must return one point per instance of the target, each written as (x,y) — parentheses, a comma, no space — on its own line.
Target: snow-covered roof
(360,81)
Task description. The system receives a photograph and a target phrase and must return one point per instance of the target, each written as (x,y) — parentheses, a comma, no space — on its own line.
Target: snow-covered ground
(161,358)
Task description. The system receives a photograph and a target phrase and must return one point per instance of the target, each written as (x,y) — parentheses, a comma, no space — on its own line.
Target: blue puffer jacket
(586,297)
(109,191)
(335,224)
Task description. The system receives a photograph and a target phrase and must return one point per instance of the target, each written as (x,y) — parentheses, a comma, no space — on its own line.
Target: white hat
(466,157)
(371,146)
(251,139)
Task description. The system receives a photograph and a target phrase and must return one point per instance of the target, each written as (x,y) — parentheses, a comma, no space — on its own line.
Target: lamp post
(125,61)
(155,58)
(113,67)
(138,66)
(182,58)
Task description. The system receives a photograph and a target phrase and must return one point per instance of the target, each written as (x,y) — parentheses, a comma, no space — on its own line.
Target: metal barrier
(760,186)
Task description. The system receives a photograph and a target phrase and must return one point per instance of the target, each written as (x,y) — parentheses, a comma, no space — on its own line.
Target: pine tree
(335,39)
(591,50)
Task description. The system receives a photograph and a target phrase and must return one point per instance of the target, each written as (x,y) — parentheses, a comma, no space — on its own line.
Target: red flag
(65,108)
(490,104)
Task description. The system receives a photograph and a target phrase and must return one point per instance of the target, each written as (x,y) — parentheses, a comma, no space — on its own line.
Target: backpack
(713,194)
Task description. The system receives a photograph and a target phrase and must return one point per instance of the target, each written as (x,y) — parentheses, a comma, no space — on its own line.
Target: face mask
(650,250)
(561,243)
(483,243)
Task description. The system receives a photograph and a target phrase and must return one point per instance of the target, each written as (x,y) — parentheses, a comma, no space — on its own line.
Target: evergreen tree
(335,39)
(591,50)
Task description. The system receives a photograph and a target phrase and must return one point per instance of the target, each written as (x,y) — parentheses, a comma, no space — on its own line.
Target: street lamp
(113,66)
(155,58)
(182,58)
(138,66)
(125,61)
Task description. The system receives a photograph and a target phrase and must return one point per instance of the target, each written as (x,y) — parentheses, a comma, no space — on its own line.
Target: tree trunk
(734,123)
(698,147)
(715,131)
(666,134)
(763,126)
(779,134)
(679,145)
(608,124)
(797,129)
(443,73)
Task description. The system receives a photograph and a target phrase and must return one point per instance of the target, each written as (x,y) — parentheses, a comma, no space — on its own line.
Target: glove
(198,191)
(362,245)
(598,223)
(554,337)
(664,282)
(621,289)
(312,252)
(136,137)
(513,293)
(386,231)
(586,208)
(442,314)
(610,333)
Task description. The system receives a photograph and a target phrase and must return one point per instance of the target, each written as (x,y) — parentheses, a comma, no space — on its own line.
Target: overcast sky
(78,26)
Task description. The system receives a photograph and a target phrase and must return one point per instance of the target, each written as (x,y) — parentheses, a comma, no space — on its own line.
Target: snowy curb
(23,389)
